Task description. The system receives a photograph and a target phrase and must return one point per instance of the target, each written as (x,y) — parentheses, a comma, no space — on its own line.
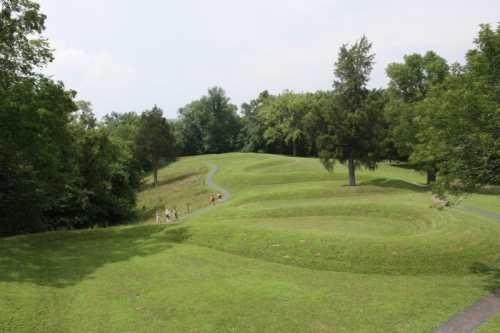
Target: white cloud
(91,74)
(127,55)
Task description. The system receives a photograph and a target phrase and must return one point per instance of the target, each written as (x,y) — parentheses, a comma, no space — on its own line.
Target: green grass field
(293,250)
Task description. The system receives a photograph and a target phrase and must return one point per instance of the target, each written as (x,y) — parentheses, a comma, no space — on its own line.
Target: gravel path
(217,188)
(481,212)
(473,316)
(212,184)
(486,308)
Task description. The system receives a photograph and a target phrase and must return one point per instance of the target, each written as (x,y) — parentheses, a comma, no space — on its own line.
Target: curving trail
(482,212)
(473,316)
(210,182)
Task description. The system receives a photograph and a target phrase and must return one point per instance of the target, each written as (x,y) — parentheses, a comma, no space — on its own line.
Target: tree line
(442,119)
(60,167)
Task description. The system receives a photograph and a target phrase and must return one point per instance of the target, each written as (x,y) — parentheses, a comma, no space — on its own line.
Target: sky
(125,55)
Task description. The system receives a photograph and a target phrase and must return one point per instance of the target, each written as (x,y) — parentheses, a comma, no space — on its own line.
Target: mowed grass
(490,326)
(293,250)
(181,186)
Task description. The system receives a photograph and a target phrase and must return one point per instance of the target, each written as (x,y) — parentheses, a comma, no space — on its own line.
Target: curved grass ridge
(294,251)
(384,226)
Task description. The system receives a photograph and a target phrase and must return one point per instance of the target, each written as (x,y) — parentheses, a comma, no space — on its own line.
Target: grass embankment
(293,250)
(181,186)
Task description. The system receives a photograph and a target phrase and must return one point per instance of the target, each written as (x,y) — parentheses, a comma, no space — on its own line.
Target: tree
(155,140)
(461,120)
(410,83)
(252,132)
(353,126)
(210,124)
(58,166)
(85,114)
(36,152)
(22,48)
(282,118)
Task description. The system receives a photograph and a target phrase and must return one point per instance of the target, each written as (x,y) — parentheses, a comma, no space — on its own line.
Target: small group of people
(171,215)
(212,199)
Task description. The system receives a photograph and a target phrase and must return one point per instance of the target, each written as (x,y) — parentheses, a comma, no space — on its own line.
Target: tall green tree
(282,118)
(353,126)
(461,120)
(22,46)
(36,152)
(252,132)
(155,140)
(410,83)
(36,157)
(210,124)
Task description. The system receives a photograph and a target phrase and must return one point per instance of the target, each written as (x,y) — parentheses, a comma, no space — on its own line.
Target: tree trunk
(154,164)
(155,175)
(294,148)
(431,176)
(352,171)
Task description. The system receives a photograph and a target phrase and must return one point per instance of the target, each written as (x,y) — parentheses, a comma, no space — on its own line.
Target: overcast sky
(125,55)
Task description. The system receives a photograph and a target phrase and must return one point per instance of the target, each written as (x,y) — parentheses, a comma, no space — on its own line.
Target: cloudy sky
(125,55)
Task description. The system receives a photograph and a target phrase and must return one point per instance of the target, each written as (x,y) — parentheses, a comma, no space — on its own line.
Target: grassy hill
(293,250)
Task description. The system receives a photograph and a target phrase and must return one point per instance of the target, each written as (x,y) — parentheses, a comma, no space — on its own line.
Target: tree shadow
(403,165)
(396,184)
(168,181)
(145,214)
(491,276)
(62,259)
(489,190)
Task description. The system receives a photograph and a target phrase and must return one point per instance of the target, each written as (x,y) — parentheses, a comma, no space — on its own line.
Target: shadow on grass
(61,259)
(396,184)
(169,181)
(402,165)
(491,275)
(145,214)
(489,190)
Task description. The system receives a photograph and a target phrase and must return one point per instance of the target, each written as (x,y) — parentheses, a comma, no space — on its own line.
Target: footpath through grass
(293,250)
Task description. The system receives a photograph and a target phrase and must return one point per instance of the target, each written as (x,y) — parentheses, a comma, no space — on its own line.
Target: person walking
(158,216)
(167,215)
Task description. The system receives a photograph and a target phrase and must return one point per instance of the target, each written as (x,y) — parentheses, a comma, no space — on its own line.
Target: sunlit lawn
(293,250)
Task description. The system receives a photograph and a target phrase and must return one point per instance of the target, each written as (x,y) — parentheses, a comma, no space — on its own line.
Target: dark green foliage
(58,168)
(22,48)
(155,141)
(209,125)
(410,83)
(462,120)
(252,132)
(354,124)
(35,151)
(287,123)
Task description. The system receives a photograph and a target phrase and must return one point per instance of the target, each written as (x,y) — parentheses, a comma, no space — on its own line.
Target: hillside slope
(293,250)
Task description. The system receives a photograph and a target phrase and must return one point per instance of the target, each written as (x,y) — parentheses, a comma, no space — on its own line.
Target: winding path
(482,212)
(473,316)
(210,183)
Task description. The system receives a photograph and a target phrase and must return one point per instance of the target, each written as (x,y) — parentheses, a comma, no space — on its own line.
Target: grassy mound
(293,250)
(289,210)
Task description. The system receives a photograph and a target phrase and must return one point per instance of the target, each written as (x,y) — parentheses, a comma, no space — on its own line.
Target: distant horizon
(172,53)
